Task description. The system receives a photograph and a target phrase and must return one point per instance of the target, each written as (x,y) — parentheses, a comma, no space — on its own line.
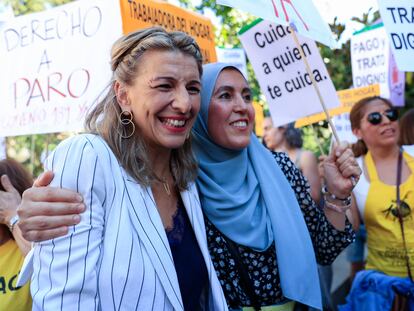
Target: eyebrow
(173,79)
(230,88)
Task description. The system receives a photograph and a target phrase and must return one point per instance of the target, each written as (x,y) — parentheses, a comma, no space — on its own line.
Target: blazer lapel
(193,207)
(149,228)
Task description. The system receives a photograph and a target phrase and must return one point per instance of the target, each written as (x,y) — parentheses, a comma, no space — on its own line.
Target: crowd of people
(169,201)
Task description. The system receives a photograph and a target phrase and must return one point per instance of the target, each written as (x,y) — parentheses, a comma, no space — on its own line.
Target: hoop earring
(125,119)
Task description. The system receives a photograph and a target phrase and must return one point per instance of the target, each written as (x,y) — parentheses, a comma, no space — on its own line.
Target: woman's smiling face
(164,98)
(231,113)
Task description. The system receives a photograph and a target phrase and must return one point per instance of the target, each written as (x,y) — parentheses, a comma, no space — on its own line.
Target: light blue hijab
(247,197)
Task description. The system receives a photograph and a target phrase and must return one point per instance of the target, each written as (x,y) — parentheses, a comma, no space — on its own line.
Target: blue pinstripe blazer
(118,257)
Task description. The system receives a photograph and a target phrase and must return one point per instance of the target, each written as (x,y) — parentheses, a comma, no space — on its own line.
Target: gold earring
(125,119)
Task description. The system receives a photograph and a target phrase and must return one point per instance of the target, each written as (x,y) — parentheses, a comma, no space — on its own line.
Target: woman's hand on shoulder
(341,171)
(46,212)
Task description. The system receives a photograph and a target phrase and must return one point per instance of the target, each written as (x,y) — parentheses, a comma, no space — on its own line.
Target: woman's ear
(121,96)
(357,133)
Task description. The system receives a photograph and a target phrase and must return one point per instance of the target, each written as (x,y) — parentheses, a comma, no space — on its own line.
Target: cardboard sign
(137,14)
(347,99)
(258,119)
(236,57)
(372,63)
(281,71)
(54,64)
(302,14)
(398,18)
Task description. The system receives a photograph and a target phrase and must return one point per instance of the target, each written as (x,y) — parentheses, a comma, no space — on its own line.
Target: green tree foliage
(21,7)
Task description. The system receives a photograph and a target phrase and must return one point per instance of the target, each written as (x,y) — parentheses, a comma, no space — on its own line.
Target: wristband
(12,222)
(327,195)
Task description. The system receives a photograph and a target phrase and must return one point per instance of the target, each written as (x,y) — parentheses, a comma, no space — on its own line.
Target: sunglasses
(375,118)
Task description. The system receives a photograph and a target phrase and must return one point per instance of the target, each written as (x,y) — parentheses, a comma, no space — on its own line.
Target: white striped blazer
(118,257)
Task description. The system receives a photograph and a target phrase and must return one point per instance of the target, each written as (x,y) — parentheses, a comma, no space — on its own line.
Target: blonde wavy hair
(104,118)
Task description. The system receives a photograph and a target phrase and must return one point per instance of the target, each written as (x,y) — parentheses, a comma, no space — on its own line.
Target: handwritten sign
(281,71)
(347,99)
(373,63)
(54,64)
(398,18)
(302,14)
(138,14)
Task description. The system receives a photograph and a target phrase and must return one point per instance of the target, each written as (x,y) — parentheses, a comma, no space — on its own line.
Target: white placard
(281,72)
(372,63)
(302,14)
(54,64)
(398,18)
(236,57)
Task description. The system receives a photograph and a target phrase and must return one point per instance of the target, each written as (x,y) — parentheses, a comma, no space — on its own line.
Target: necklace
(166,187)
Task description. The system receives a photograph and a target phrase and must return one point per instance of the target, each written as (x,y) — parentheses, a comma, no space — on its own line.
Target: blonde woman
(135,171)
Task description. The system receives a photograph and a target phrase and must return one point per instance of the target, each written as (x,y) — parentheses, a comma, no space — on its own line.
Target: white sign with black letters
(281,71)
(373,63)
(398,18)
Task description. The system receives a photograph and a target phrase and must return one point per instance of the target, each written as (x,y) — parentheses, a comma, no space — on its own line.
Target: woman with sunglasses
(390,231)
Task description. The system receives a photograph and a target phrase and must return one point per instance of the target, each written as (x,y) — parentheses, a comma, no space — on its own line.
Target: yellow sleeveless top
(385,243)
(12,297)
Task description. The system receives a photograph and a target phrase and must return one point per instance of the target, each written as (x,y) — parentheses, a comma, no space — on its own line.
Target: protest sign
(372,62)
(281,72)
(302,14)
(57,63)
(398,18)
(347,98)
(258,119)
(343,127)
(236,57)
(54,64)
(137,14)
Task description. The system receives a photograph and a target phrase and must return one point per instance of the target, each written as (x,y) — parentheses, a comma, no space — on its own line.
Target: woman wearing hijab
(262,225)
(261,221)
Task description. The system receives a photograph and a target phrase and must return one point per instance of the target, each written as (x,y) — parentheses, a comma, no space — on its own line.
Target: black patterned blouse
(262,266)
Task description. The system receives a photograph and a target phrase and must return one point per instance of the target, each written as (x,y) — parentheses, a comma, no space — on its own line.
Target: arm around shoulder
(66,268)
